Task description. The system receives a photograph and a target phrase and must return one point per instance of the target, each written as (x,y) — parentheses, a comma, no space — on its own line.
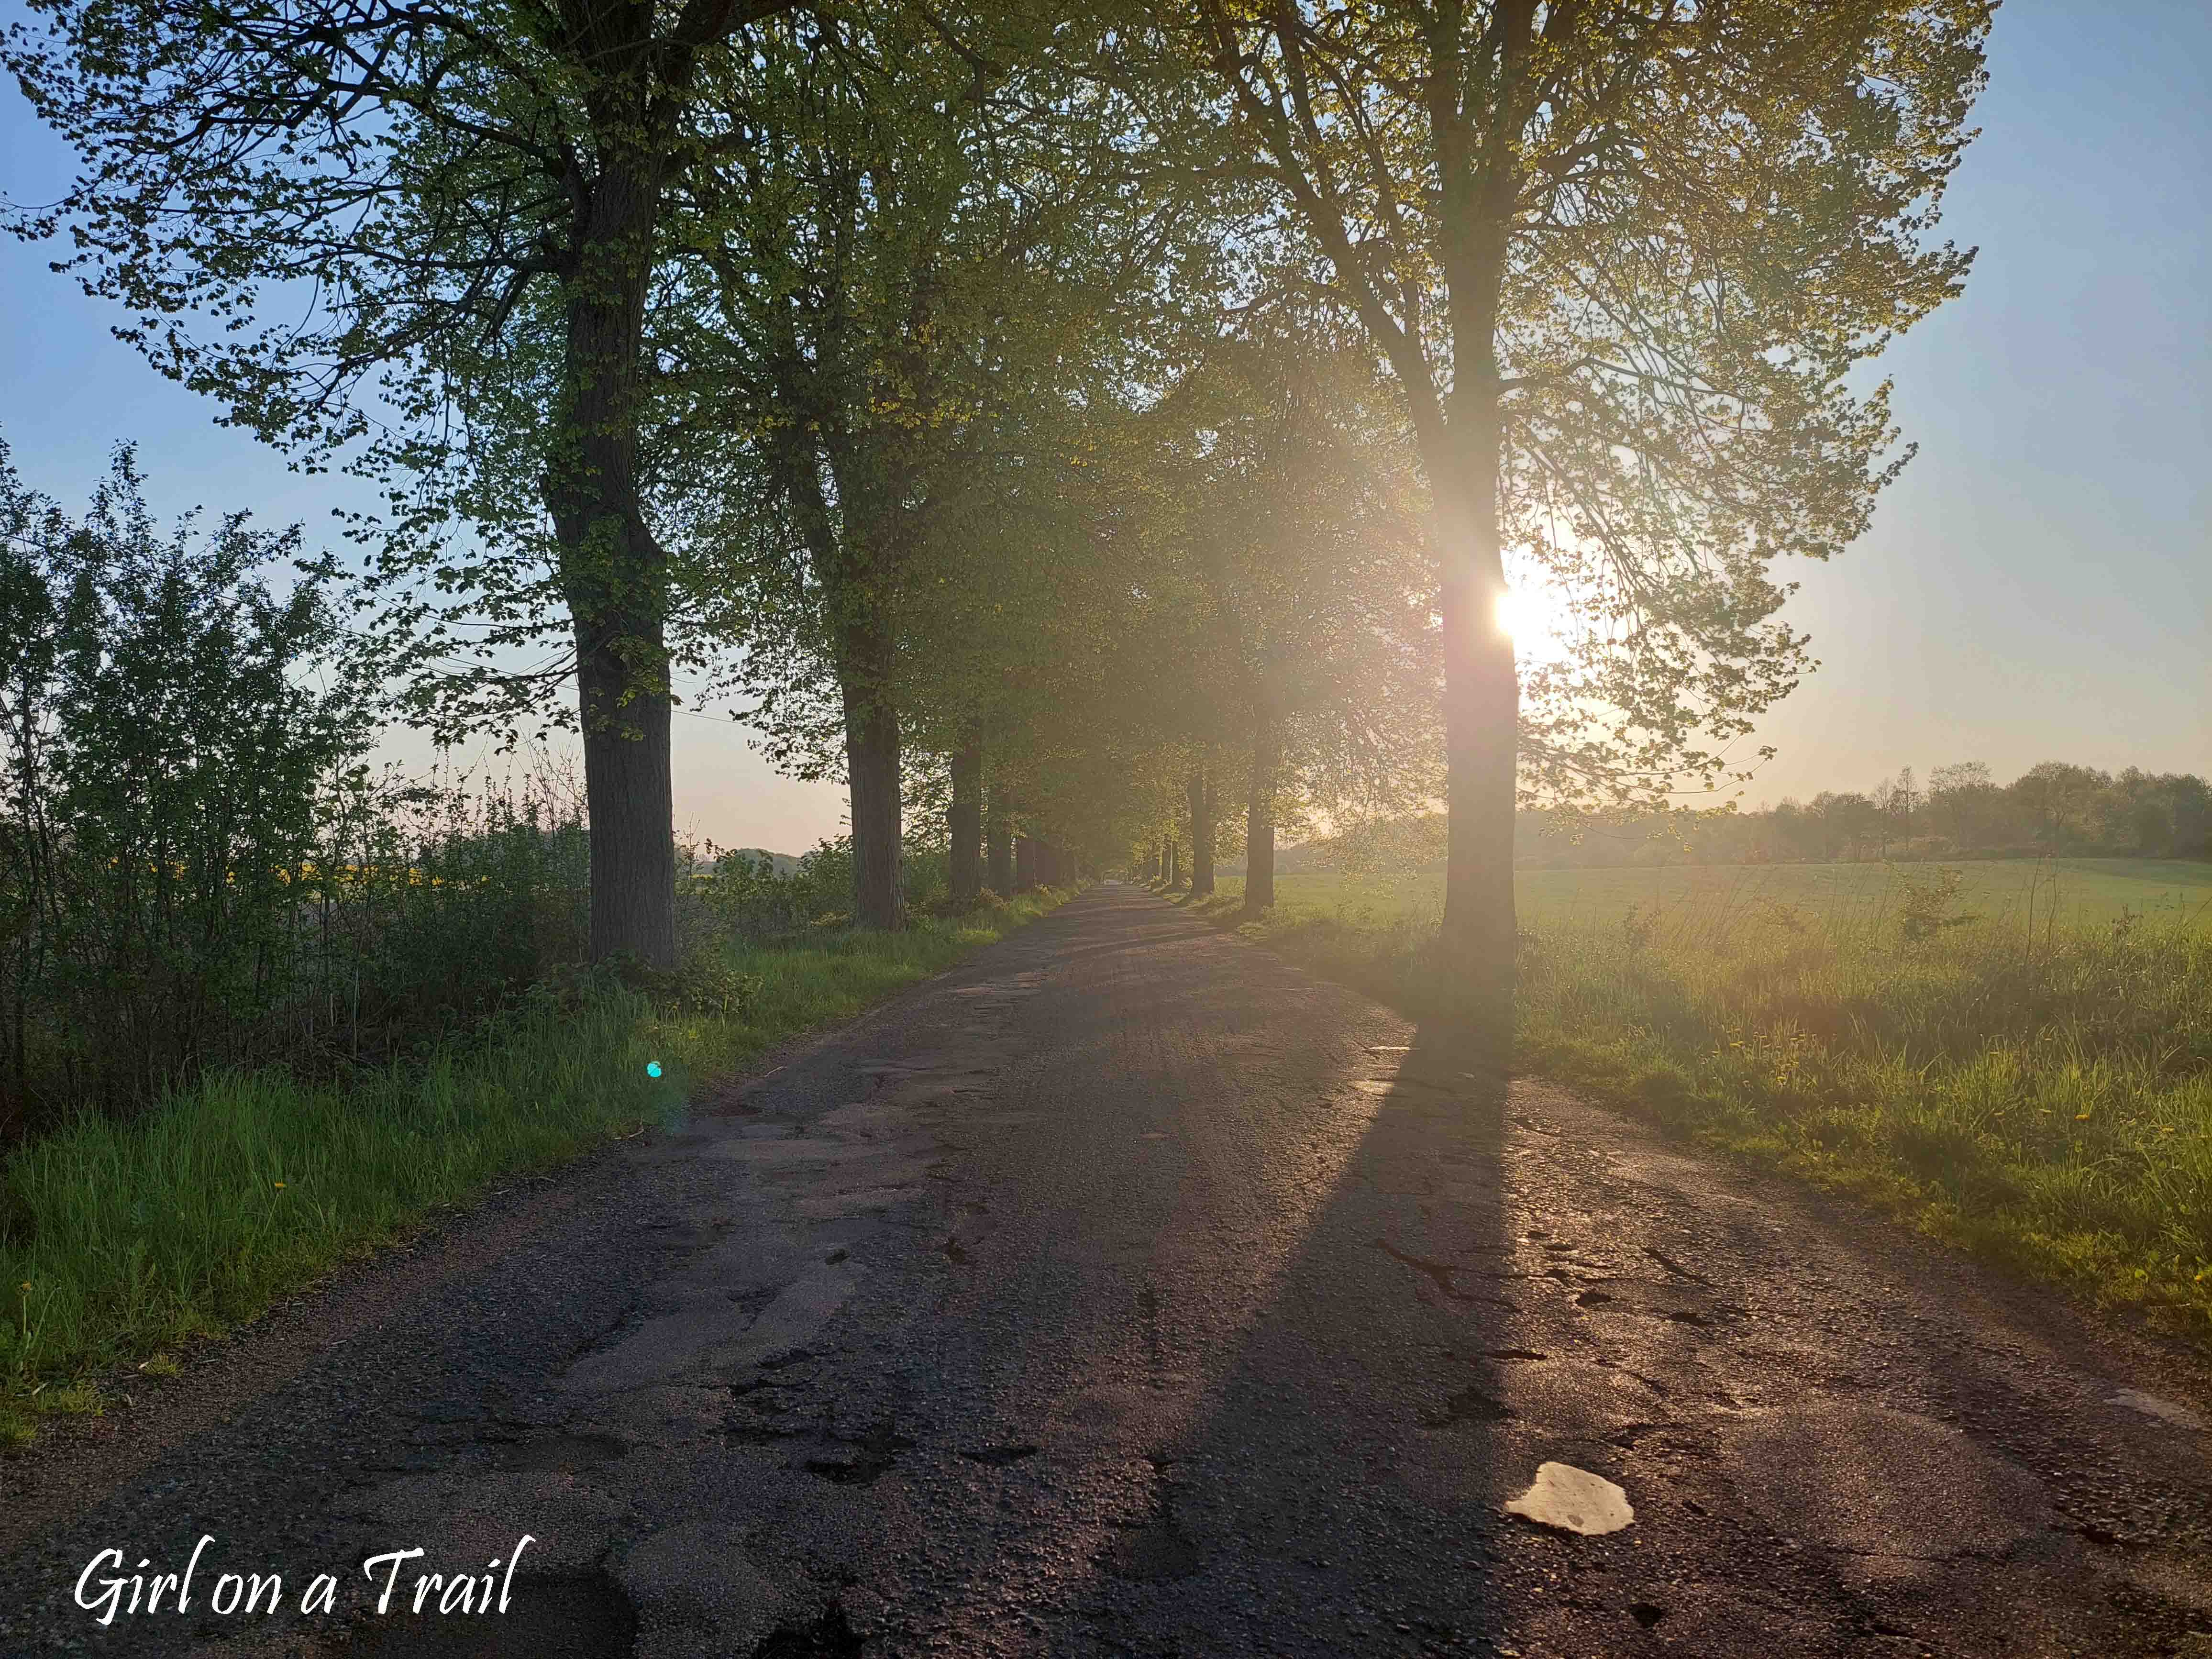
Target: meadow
(126,1242)
(2016,1058)
(2040,893)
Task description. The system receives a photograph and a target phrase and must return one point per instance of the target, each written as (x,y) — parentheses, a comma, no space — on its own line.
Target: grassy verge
(120,1242)
(2043,1096)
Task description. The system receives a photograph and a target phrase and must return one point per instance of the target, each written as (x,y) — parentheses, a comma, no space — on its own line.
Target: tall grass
(122,1240)
(2041,1095)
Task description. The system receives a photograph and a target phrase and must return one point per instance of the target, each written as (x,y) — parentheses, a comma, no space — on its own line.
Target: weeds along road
(1127,1291)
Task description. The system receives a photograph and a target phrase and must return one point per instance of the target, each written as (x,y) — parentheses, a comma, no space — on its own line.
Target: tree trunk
(1002,848)
(1202,834)
(1024,864)
(614,574)
(872,769)
(1175,863)
(1482,713)
(1260,815)
(965,822)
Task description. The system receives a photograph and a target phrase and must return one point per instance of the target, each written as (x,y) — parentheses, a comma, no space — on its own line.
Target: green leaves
(1623,263)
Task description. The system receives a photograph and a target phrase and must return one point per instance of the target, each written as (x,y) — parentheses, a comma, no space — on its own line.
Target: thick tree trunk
(1482,711)
(1201,833)
(1001,838)
(965,822)
(614,574)
(1024,864)
(629,798)
(872,769)
(1260,815)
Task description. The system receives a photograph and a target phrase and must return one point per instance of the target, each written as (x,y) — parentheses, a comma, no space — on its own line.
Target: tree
(2060,801)
(1293,580)
(468,209)
(917,281)
(1622,260)
(1960,796)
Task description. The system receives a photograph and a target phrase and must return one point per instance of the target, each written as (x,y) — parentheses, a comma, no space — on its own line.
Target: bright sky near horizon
(2038,586)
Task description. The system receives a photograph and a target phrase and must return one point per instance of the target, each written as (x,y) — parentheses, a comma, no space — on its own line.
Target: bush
(742,895)
(196,872)
(171,725)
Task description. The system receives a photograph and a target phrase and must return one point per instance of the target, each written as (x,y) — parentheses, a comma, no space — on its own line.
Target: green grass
(121,1242)
(2042,893)
(2042,1094)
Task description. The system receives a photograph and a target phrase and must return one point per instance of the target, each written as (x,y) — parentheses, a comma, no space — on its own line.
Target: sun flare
(1536,619)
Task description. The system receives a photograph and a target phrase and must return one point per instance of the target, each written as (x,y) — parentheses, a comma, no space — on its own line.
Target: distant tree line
(2053,808)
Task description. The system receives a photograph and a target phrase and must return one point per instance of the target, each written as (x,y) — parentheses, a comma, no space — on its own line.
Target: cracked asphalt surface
(1129,1291)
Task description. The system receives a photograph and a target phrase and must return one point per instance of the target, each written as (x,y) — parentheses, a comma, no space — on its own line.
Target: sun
(1536,618)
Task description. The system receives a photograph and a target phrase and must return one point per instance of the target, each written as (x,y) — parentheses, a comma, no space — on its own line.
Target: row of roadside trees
(1092,417)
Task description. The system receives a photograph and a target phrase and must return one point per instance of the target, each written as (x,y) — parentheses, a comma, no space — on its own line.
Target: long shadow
(1344,1437)
(1275,1356)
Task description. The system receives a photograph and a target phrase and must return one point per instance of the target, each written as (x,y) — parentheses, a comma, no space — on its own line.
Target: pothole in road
(872,1453)
(760,1411)
(998,1456)
(1469,1405)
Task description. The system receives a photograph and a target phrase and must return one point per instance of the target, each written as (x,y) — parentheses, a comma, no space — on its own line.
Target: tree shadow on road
(1284,1366)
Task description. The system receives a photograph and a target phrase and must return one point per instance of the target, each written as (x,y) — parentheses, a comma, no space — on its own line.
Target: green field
(2017,1057)
(2042,892)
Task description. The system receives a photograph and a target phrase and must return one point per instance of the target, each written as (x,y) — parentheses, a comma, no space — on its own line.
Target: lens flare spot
(653,1068)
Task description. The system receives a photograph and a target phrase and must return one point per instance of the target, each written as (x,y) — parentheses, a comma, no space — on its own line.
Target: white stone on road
(1573,1500)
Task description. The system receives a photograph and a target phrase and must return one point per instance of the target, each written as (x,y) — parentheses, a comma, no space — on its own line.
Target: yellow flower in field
(280,1186)
(2081,1117)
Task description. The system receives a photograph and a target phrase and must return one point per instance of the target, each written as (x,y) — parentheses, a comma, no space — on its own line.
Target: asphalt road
(1127,1290)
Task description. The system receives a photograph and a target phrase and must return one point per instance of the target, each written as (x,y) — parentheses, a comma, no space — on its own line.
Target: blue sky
(2038,586)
